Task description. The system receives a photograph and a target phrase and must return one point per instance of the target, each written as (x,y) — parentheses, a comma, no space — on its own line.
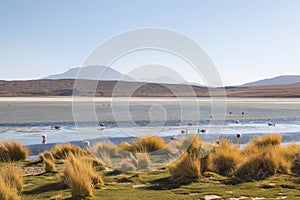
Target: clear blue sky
(247,39)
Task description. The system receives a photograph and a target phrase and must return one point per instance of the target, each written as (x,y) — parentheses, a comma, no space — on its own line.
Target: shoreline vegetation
(264,168)
(65,88)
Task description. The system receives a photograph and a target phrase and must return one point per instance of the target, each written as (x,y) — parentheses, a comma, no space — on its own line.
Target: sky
(246,39)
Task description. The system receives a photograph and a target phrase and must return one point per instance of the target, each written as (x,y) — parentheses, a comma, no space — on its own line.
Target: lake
(26,119)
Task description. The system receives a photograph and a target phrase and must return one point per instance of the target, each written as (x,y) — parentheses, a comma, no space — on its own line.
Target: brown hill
(64,87)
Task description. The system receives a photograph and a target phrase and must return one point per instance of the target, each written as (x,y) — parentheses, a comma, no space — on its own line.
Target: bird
(173,138)
(243,113)
(201,130)
(56,127)
(238,136)
(182,131)
(230,113)
(44,139)
(271,124)
(86,143)
(102,125)
(237,121)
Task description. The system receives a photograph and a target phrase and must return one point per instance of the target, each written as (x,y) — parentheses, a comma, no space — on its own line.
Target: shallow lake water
(26,119)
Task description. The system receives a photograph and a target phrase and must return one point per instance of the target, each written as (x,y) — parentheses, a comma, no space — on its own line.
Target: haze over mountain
(109,74)
(91,73)
(161,79)
(279,80)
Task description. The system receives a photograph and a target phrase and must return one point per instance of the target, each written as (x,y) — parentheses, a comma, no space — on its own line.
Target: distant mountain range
(65,87)
(107,79)
(279,80)
(109,74)
(91,73)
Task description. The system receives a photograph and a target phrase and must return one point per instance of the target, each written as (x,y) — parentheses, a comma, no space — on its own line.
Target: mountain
(161,79)
(65,87)
(279,80)
(91,73)
(110,74)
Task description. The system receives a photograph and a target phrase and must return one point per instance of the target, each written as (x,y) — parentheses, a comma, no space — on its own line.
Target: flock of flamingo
(199,130)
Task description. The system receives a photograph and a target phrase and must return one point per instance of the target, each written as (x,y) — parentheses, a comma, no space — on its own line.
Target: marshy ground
(157,185)
(263,169)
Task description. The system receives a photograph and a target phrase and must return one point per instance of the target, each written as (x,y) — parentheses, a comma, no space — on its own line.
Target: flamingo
(271,124)
(44,139)
(201,130)
(86,143)
(56,127)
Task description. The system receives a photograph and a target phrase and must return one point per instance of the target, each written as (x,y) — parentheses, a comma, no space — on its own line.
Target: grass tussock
(125,146)
(258,144)
(62,151)
(107,147)
(12,176)
(46,155)
(225,158)
(105,158)
(12,151)
(295,168)
(265,156)
(187,167)
(290,151)
(80,176)
(11,183)
(263,164)
(127,165)
(267,140)
(143,161)
(151,144)
(49,166)
(7,192)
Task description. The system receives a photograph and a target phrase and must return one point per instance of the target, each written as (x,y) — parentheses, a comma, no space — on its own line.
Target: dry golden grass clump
(296,164)
(106,147)
(94,160)
(49,166)
(13,176)
(187,167)
(62,151)
(143,161)
(8,192)
(149,144)
(125,146)
(290,151)
(12,151)
(264,157)
(46,155)
(258,144)
(267,140)
(258,166)
(11,183)
(225,158)
(80,176)
(127,165)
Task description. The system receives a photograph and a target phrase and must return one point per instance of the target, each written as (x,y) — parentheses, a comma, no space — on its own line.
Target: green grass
(123,186)
(160,184)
